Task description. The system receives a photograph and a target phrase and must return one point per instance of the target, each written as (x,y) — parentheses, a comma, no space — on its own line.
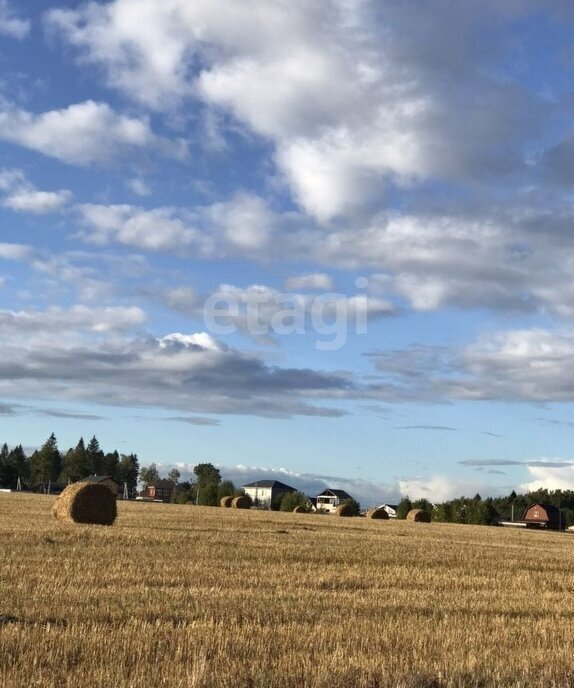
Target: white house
(391,509)
(266,492)
(330,499)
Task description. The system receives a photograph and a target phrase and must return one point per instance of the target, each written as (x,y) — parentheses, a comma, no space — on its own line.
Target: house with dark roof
(265,493)
(160,491)
(330,499)
(106,480)
(544,516)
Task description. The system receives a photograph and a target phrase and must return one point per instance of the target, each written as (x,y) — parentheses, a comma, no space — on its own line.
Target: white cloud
(516,365)
(184,299)
(266,314)
(246,222)
(315,282)
(549,477)
(15,251)
(366,492)
(55,321)
(160,229)
(200,340)
(353,96)
(521,364)
(82,134)
(38,202)
(10,24)
(441,488)
(241,226)
(21,196)
(138,186)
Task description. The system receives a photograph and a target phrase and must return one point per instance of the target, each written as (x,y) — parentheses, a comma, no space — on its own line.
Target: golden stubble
(197,597)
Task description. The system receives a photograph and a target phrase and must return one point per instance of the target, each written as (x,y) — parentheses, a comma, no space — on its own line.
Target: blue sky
(327,242)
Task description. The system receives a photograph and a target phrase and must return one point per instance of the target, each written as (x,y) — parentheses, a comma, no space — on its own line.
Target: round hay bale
(300,509)
(226,502)
(344,510)
(86,503)
(241,502)
(378,513)
(418,516)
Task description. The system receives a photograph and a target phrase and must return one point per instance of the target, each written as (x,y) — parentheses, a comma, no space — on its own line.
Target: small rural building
(330,499)
(106,480)
(264,493)
(160,491)
(391,509)
(544,516)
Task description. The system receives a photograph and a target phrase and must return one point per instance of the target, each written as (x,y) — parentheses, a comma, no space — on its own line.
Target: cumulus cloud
(242,225)
(82,134)
(246,222)
(507,260)
(138,186)
(315,282)
(55,321)
(38,202)
(355,97)
(516,365)
(160,229)
(441,488)
(553,475)
(11,24)
(15,251)
(265,313)
(21,196)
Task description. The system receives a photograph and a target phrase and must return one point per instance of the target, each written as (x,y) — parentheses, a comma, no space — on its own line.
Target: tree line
(207,489)
(48,465)
(478,511)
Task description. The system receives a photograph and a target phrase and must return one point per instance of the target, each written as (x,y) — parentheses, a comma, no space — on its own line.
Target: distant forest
(491,510)
(48,465)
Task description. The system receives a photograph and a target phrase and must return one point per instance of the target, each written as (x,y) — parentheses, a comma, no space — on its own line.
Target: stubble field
(201,597)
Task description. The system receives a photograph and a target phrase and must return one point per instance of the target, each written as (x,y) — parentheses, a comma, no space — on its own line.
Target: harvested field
(209,597)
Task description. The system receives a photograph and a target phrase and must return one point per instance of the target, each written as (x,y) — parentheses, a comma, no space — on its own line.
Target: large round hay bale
(419,516)
(377,513)
(344,510)
(300,509)
(86,503)
(241,502)
(226,502)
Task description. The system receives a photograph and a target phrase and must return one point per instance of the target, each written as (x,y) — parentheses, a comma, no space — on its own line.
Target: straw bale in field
(86,503)
(226,502)
(300,509)
(344,510)
(241,502)
(377,513)
(419,516)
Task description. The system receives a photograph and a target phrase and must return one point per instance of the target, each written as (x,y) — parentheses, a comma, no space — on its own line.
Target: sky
(329,243)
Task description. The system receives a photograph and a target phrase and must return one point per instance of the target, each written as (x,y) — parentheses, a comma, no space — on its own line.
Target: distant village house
(544,516)
(106,480)
(330,499)
(160,491)
(264,493)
